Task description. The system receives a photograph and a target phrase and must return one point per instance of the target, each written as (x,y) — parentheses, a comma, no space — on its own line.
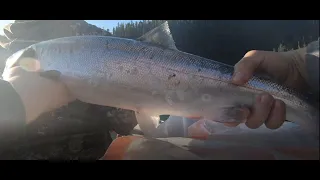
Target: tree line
(228,40)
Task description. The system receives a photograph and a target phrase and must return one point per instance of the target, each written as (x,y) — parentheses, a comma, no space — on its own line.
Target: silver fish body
(153,80)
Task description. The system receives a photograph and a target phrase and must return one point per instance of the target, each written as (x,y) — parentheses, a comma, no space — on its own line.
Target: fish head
(25,58)
(47,55)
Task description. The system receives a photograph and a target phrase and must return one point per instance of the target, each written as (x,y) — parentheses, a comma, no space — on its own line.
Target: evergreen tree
(228,40)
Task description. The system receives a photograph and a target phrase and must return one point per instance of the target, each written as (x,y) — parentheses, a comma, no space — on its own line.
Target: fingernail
(238,77)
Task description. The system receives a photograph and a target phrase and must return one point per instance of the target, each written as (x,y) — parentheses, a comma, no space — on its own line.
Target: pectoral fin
(230,116)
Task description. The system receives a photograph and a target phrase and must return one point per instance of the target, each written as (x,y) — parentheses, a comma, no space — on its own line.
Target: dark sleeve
(312,65)
(12,112)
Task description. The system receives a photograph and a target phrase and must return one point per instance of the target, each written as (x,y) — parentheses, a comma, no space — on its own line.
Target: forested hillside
(228,40)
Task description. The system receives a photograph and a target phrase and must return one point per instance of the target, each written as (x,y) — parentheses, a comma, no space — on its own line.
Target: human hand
(38,94)
(287,68)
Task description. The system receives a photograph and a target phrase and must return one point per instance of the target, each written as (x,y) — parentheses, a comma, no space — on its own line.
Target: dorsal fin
(160,35)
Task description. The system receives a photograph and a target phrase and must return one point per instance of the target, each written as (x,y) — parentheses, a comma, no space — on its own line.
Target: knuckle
(267,101)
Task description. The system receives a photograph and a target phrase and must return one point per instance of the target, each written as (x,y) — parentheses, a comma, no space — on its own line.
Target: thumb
(245,68)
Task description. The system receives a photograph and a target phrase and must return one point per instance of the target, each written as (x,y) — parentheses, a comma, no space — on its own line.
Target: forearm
(312,65)
(12,112)
(306,61)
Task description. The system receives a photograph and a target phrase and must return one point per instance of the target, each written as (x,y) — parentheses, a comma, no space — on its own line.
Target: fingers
(260,111)
(268,111)
(245,68)
(277,115)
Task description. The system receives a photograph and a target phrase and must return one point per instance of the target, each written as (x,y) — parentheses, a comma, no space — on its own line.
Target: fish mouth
(25,58)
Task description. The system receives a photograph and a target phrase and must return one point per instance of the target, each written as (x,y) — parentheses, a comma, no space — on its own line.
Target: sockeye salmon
(152,77)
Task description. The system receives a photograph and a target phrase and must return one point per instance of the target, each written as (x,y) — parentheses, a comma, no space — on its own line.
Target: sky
(106,24)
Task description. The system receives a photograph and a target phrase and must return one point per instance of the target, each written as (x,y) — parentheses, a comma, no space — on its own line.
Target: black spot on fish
(134,71)
(199,70)
(188,63)
(107,45)
(171,76)
(152,56)
(187,89)
(177,83)
(143,51)
(128,71)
